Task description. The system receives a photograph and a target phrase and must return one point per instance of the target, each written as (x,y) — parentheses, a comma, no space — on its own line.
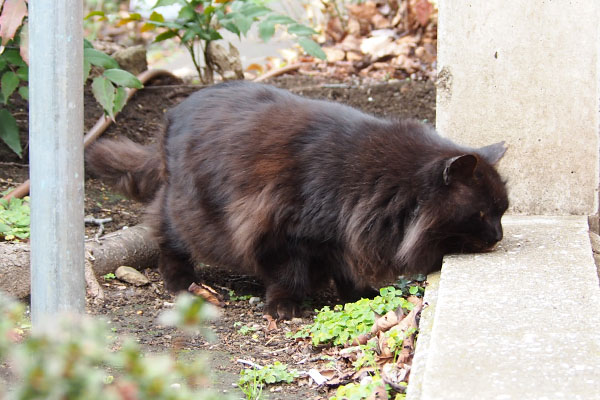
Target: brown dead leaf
(354,56)
(350,43)
(408,349)
(334,54)
(394,374)
(334,30)
(380,393)
(363,338)
(363,11)
(417,301)
(384,349)
(362,373)
(207,293)
(13,13)
(354,28)
(409,323)
(423,10)
(271,322)
(379,47)
(380,22)
(255,67)
(385,322)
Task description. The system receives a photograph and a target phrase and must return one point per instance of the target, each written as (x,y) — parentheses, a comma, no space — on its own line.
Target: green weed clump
(343,323)
(75,358)
(14,219)
(252,380)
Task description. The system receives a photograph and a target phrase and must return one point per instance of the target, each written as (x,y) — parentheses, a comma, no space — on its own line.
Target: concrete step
(522,322)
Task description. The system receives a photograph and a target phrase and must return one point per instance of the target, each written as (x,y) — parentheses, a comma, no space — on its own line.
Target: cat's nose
(498,233)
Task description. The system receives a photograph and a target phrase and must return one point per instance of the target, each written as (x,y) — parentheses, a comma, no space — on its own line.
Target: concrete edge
(419,363)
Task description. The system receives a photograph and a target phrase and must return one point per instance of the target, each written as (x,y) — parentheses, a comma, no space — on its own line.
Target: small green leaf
(230,26)
(280,19)
(252,10)
(413,290)
(209,10)
(98,58)
(2,63)
(312,48)
(104,92)
(266,30)
(95,14)
(214,34)
(123,78)
(120,99)
(156,17)
(187,13)
(161,3)
(24,92)
(4,228)
(9,82)
(164,36)
(23,73)
(13,57)
(187,36)
(301,30)
(167,24)
(87,67)
(87,44)
(242,22)
(9,131)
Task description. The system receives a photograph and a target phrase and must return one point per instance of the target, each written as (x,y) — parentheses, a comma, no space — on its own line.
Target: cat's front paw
(283,309)
(280,304)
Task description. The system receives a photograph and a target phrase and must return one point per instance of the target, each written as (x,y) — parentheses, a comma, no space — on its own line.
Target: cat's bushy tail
(136,170)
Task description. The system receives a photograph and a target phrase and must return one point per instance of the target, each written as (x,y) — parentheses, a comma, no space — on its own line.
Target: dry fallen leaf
(385,322)
(380,393)
(423,10)
(207,293)
(271,322)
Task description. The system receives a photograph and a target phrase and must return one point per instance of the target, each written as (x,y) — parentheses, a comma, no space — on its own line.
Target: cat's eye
(481,215)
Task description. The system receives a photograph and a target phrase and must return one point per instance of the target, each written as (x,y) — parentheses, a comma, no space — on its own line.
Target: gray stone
(131,275)
(254,301)
(132,59)
(521,322)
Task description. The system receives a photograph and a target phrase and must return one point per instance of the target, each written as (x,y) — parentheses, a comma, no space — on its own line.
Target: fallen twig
(100,222)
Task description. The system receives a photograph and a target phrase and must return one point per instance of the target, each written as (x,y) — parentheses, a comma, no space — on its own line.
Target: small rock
(334,54)
(254,301)
(131,275)
(132,59)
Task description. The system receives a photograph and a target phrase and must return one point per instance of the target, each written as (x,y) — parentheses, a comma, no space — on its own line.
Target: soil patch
(133,311)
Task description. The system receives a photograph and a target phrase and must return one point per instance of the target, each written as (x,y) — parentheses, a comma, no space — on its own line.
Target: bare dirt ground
(132,311)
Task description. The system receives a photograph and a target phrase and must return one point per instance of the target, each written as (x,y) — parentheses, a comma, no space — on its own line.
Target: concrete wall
(526,72)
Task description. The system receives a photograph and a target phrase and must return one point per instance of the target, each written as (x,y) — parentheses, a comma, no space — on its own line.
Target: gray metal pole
(56,157)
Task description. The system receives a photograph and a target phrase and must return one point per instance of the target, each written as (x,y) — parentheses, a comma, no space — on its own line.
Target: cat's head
(474,199)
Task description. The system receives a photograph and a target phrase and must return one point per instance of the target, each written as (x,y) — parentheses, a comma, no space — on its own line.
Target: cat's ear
(493,152)
(459,167)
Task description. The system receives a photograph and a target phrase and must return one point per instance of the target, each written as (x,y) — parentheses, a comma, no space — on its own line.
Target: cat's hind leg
(348,290)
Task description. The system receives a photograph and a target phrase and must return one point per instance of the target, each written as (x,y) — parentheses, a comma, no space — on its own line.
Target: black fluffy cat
(301,191)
